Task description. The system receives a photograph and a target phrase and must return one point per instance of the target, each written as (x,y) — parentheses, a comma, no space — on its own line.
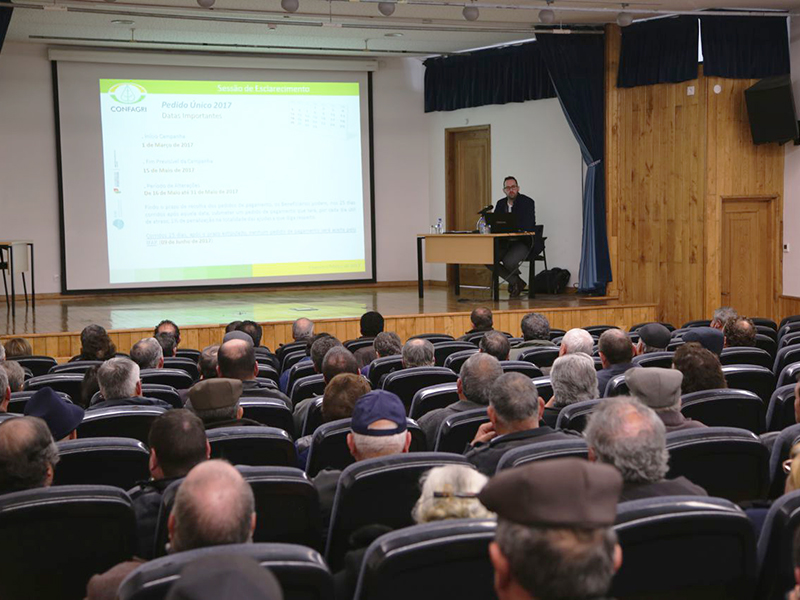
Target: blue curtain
(494,76)
(575,63)
(658,51)
(5,20)
(745,47)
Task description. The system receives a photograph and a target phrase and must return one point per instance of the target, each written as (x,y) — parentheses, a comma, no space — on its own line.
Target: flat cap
(655,335)
(219,392)
(563,492)
(225,576)
(237,335)
(708,337)
(654,386)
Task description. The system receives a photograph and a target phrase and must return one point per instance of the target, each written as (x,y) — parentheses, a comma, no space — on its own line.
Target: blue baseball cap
(61,416)
(376,406)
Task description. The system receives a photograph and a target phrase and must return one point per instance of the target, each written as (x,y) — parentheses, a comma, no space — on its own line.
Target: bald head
(418,352)
(615,347)
(28,454)
(302,329)
(236,359)
(214,506)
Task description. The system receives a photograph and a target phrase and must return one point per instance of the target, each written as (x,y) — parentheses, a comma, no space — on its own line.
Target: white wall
(791,187)
(532,141)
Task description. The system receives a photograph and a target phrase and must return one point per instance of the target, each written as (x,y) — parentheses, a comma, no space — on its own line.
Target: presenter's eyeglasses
(508,188)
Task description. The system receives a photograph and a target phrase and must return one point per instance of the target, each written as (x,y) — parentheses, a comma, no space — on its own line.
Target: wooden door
(468,181)
(748,255)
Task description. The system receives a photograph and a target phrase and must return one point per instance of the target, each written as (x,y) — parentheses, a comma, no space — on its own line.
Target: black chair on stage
(256,446)
(433,397)
(774,550)
(177,378)
(407,382)
(167,393)
(39,365)
(423,560)
(354,345)
(575,416)
(743,355)
(458,430)
(686,547)
(68,383)
(521,366)
(307,387)
(441,350)
(779,452)
(71,532)
(759,380)
(789,374)
(78,366)
(189,353)
(117,461)
(542,357)
(20,399)
(378,491)
(543,387)
(726,408)
(544,450)
(298,371)
(780,412)
(119,421)
(456,360)
(301,572)
(654,359)
(433,338)
(383,366)
(273,413)
(182,364)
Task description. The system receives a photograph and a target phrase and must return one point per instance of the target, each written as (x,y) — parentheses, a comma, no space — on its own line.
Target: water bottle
(483,227)
(439,226)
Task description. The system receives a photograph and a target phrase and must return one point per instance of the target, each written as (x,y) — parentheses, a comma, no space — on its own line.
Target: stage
(54,326)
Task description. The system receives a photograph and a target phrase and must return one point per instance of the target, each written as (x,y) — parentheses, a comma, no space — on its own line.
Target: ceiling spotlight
(624,19)
(290,6)
(547,16)
(386,8)
(206,3)
(471,13)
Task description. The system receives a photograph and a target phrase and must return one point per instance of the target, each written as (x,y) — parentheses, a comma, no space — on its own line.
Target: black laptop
(502,222)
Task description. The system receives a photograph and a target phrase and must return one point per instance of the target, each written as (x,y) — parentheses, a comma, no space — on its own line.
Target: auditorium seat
(189,353)
(267,382)
(39,365)
(290,359)
(301,572)
(54,539)
(177,378)
(789,319)
(266,371)
(475,337)
(788,328)
(329,450)
(638,326)
(768,331)
(383,366)
(406,382)
(685,547)
(764,322)
(455,361)
(598,330)
(759,380)
(674,344)
(780,412)
(117,461)
(20,399)
(167,393)
(790,339)
(429,561)
(789,373)
(744,355)
(183,364)
(555,332)
(543,387)
(378,491)
(282,351)
(697,323)
(119,421)
(354,345)
(765,342)
(727,462)
(258,446)
(69,383)
(785,356)
(307,387)
(774,551)
(298,371)
(575,416)
(542,357)
(273,413)
(458,430)
(779,452)
(9,415)
(313,418)
(616,386)
(521,366)
(544,450)
(433,338)
(78,366)
(441,350)
(654,359)
(726,408)
(433,397)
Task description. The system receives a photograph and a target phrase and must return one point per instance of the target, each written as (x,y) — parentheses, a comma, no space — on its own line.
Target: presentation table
(467,249)
(23,265)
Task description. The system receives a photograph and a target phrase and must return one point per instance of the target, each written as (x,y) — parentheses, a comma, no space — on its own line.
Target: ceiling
(323,27)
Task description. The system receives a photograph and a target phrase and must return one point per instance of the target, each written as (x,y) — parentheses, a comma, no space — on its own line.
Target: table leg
(13,291)
(33,280)
(419,267)
(457,279)
(531,271)
(495,270)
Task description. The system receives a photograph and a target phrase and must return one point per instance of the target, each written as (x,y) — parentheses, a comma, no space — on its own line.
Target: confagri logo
(127,92)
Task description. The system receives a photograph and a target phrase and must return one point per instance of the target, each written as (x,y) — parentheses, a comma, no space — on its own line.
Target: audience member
(5,389)
(148,354)
(28,454)
(15,373)
(326,342)
(169,344)
(371,324)
(236,359)
(475,382)
(555,538)
(61,416)
(791,467)
(495,344)
(365,356)
(255,332)
(721,316)
(167,326)
(95,344)
(629,436)
(387,343)
(653,337)
(576,340)
(535,334)
(120,385)
(302,329)
(335,361)
(207,363)
(660,389)
(225,576)
(794,594)
(739,332)
(700,367)
(177,443)
(17,347)
(450,492)
(418,352)
(515,409)
(616,353)
(708,337)
(89,387)
(216,402)
(574,379)
(481,319)
(232,326)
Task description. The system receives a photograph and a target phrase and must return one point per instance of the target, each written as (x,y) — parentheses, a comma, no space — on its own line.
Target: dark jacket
(146,498)
(486,455)
(255,389)
(134,401)
(429,422)
(525,209)
(680,486)
(550,416)
(527,345)
(326,482)
(233,423)
(606,375)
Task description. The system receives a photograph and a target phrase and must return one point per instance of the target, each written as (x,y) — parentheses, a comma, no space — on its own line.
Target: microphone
(486,210)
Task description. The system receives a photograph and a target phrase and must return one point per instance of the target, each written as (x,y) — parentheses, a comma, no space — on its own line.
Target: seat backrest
(774,551)
(307,387)
(301,572)
(433,397)
(697,323)
(257,446)
(183,364)
(458,430)
(415,561)
(684,547)
(313,418)
(273,413)
(441,350)
(616,386)
(759,380)
(76,366)
(543,387)
(788,328)
(789,374)
(764,322)
(786,356)
(544,450)
(598,330)
(20,399)
(766,330)
(780,412)
(575,416)
(354,345)
(726,408)
(638,326)
(654,359)
(521,366)
(117,461)
(745,355)
(542,357)
(267,371)
(790,339)
(298,371)
(290,359)
(789,319)
(76,530)
(39,365)
(69,383)
(119,421)
(189,353)
(433,338)
(167,393)
(727,462)
(378,491)
(556,333)
(456,360)
(779,452)
(407,382)
(177,378)
(283,350)
(382,366)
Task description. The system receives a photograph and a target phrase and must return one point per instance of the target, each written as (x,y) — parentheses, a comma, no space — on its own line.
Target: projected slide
(231,179)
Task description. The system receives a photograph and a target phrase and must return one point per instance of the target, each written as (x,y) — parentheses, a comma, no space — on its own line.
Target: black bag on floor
(551,281)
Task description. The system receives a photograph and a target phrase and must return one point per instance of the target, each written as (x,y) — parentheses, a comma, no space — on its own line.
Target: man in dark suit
(517,251)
